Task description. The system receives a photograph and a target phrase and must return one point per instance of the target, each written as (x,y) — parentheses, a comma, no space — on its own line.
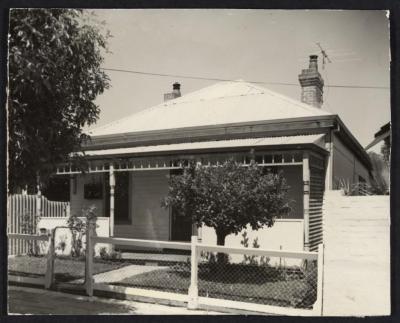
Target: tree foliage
(380,174)
(385,150)
(228,197)
(54,76)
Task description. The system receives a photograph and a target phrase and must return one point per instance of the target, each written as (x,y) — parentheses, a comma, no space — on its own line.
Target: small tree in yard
(78,229)
(228,197)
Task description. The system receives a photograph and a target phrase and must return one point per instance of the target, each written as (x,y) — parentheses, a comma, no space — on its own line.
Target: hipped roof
(218,104)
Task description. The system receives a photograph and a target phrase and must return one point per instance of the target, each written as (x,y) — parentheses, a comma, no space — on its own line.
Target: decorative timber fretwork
(149,163)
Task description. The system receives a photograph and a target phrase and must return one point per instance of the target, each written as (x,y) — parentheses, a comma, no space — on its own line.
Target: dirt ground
(23,300)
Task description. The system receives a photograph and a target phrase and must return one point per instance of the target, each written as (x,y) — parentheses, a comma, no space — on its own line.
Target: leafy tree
(54,76)
(380,174)
(385,150)
(228,197)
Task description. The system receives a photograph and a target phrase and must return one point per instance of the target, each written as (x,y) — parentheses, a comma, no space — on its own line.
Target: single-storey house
(130,159)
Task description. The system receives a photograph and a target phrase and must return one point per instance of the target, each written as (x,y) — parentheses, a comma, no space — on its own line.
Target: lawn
(66,268)
(233,282)
(239,282)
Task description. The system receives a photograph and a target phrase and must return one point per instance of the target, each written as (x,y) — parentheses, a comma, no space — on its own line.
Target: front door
(181,227)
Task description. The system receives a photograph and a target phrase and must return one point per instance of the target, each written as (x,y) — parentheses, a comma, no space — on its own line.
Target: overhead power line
(229,80)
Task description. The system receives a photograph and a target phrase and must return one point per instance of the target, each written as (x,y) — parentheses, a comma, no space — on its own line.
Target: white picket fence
(23,212)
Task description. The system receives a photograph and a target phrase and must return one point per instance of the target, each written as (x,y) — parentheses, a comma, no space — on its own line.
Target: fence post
(67,210)
(49,275)
(38,204)
(193,289)
(318,307)
(90,233)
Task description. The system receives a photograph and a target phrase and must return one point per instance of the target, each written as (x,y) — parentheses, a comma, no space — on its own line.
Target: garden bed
(231,282)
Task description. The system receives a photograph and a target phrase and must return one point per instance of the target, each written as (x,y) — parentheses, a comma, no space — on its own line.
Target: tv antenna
(325,57)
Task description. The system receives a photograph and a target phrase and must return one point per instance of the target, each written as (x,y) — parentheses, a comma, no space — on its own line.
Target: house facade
(129,160)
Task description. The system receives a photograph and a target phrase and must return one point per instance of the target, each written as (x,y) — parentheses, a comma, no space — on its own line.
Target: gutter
(254,129)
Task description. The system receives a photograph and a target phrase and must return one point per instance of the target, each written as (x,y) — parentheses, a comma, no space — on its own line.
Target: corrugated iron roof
(221,103)
(215,144)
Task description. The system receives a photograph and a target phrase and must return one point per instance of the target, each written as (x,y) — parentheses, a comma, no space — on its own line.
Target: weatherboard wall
(346,165)
(77,199)
(148,220)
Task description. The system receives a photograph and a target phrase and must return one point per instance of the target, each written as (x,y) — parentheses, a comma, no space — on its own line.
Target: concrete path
(23,300)
(124,272)
(155,257)
(357,255)
(120,274)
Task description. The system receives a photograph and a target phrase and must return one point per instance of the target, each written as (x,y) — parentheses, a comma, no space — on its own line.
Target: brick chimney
(312,84)
(176,92)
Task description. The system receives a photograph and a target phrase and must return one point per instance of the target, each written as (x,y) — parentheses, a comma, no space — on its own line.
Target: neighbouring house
(129,160)
(384,134)
(381,162)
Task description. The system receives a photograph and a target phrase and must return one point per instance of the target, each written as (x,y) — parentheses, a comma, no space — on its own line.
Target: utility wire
(228,80)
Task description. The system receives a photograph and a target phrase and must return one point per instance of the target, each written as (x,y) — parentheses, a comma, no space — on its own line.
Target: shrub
(62,244)
(252,260)
(78,229)
(306,296)
(103,253)
(113,255)
(29,223)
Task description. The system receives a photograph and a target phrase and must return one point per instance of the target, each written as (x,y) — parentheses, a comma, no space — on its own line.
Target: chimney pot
(313,62)
(176,92)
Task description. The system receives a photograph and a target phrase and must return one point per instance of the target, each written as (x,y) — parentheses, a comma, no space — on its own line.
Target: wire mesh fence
(68,256)
(258,279)
(277,278)
(156,267)
(28,264)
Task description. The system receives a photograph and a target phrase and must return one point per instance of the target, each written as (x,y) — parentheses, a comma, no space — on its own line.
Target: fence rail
(27,237)
(259,252)
(156,244)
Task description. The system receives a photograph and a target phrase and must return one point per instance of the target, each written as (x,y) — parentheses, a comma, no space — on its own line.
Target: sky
(253,45)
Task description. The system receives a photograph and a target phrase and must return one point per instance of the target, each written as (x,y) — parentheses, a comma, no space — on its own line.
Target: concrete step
(380,230)
(355,221)
(349,220)
(352,237)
